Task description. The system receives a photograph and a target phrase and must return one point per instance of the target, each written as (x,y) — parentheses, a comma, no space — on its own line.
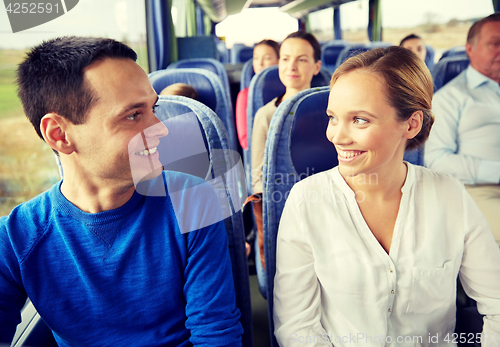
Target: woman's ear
(318,67)
(54,132)
(414,124)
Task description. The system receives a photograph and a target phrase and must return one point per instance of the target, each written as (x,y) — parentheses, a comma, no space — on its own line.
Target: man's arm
(442,147)
(12,295)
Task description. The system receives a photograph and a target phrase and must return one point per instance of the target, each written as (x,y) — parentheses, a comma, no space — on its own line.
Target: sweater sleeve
(12,295)
(212,316)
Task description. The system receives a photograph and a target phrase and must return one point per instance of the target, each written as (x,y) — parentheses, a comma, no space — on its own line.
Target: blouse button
(390,310)
(392,291)
(391,271)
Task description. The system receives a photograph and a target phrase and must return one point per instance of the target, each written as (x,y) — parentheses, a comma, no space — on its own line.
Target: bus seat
(379,44)
(263,88)
(454,51)
(350,51)
(241,53)
(247,73)
(296,147)
(210,92)
(197,47)
(330,52)
(415,156)
(209,64)
(223,52)
(429,56)
(222,159)
(447,69)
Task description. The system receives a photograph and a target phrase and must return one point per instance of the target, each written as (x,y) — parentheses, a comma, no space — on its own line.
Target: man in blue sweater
(103,264)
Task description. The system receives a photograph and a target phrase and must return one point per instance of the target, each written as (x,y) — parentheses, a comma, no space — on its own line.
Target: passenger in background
(369,251)
(181,89)
(300,55)
(465,141)
(265,54)
(415,44)
(104,264)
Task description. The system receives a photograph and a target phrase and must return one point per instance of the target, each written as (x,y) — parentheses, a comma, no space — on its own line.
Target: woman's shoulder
(440,183)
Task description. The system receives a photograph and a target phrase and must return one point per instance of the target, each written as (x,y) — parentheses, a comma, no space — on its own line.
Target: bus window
(27,165)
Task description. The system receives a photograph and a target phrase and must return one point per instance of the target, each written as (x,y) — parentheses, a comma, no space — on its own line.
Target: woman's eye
(332,119)
(360,121)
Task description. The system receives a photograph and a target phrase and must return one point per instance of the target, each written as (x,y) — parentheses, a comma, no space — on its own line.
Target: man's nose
(157,129)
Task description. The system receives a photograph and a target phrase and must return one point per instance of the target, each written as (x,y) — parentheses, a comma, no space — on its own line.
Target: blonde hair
(181,89)
(409,85)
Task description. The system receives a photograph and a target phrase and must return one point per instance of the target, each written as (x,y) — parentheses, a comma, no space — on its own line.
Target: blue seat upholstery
(296,147)
(223,52)
(429,56)
(209,64)
(330,52)
(194,47)
(210,92)
(241,53)
(221,160)
(447,69)
(263,88)
(379,44)
(453,52)
(350,51)
(247,73)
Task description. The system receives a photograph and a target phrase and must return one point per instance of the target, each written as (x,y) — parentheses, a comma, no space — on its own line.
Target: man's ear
(414,124)
(54,131)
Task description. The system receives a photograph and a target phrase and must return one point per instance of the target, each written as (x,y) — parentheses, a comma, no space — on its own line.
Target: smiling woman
(384,257)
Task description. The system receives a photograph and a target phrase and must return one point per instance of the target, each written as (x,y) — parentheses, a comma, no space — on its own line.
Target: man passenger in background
(465,139)
(103,264)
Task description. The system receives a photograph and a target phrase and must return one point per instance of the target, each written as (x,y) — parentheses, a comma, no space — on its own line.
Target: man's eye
(154,108)
(133,116)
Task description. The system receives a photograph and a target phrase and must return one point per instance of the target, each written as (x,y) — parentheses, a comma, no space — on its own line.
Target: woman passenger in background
(368,252)
(299,62)
(265,54)
(415,44)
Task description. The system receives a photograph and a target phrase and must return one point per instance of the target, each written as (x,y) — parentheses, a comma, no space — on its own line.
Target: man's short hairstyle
(301,34)
(408,83)
(475,29)
(409,37)
(51,78)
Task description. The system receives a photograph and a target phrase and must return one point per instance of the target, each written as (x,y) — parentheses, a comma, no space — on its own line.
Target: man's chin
(141,176)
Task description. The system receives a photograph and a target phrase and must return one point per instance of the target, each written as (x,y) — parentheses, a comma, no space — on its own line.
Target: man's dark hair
(51,78)
(475,29)
(301,34)
(409,37)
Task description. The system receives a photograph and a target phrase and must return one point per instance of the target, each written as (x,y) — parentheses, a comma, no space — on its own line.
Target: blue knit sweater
(125,277)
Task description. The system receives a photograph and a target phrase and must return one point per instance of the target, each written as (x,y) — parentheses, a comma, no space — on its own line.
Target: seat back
(223,52)
(351,51)
(247,73)
(209,64)
(296,147)
(210,92)
(429,56)
(264,87)
(178,113)
(379,44)
(241,53)
(453,52)
(447,69)
(330,52)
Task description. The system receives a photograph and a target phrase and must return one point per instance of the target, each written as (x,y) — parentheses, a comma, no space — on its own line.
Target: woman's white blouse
(335,284)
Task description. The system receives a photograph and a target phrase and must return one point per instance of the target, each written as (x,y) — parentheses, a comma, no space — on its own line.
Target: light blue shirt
(465,138)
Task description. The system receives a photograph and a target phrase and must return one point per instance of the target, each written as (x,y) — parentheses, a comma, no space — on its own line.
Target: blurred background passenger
(299,61)
(465,141)
(375,244)
(181,89)
(415,44)
(265,53)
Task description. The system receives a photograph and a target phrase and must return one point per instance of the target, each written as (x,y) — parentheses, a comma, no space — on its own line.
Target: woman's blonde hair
(409,85)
